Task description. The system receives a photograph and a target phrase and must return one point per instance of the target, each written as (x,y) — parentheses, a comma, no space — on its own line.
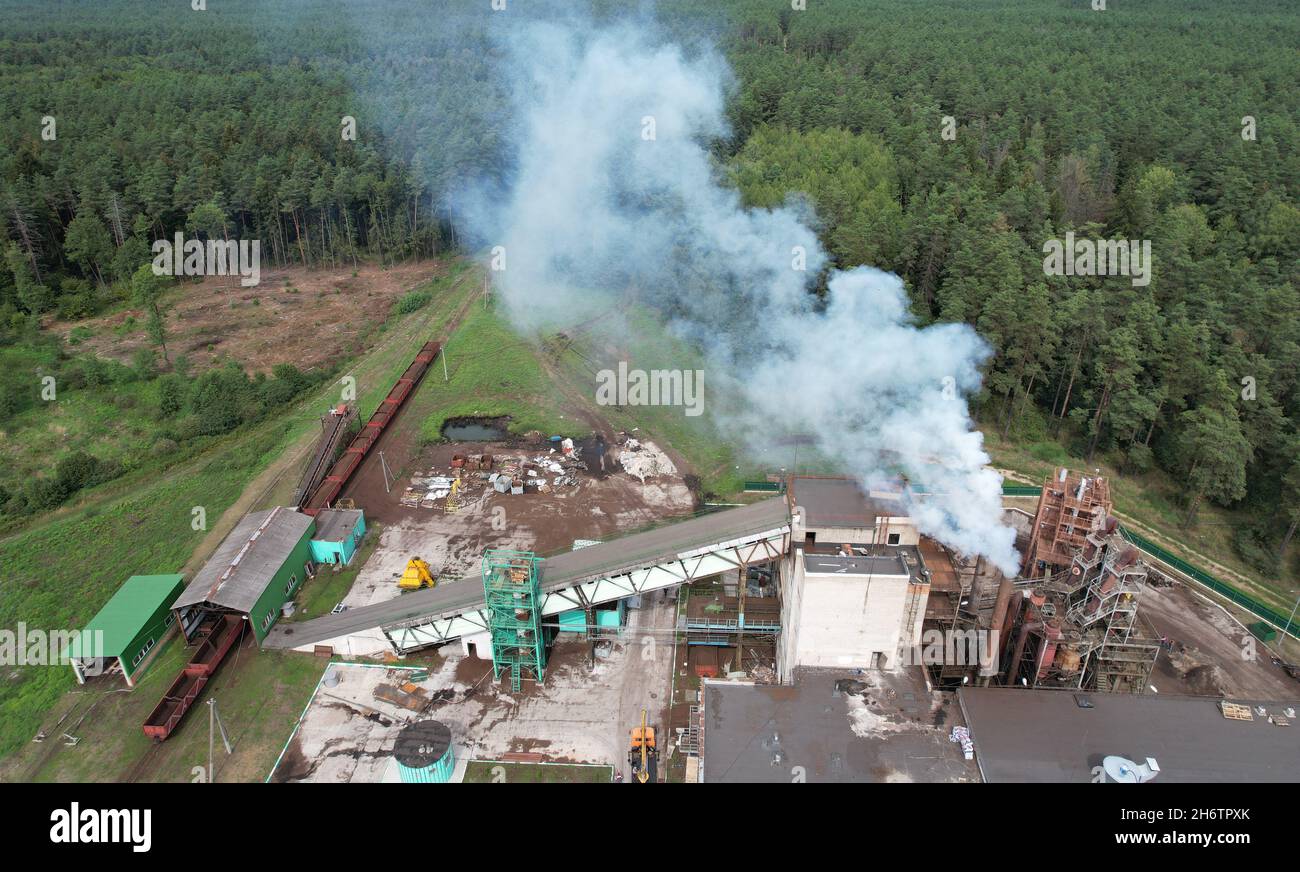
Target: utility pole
(1286,630)
(383,464)
(443,355)
(214,718)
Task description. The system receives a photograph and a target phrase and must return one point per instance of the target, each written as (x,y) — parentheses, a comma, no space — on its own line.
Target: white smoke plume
(613,187)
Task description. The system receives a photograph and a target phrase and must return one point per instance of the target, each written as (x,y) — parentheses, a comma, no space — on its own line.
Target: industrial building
(338,533)
(1057,736)
(827,575)
(1070,621)
(1080,628)
(253,573)
(128,631)
(854,585)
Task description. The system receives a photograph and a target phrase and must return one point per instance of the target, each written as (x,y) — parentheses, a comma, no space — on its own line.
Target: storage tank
(423,753)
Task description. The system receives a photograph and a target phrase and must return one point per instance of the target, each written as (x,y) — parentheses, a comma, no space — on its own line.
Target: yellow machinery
(643,756)
(416,576)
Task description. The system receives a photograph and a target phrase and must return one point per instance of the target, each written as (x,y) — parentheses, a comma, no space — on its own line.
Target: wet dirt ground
(1213,655)
(596,507)
(582,714)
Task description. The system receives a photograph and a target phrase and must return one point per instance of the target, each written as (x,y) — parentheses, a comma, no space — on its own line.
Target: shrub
(413,301)
(171,395)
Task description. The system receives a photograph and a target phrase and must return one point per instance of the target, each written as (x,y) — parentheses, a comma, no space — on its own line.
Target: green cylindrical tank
(423,753)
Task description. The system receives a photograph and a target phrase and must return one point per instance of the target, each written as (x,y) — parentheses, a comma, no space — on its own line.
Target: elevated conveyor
(664,557)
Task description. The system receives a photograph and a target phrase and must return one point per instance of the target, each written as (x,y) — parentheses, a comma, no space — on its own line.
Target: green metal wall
(339,552)
(155,628)
(275,595)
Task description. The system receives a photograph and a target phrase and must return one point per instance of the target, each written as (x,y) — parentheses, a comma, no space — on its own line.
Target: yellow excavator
(643,756)
(416,576)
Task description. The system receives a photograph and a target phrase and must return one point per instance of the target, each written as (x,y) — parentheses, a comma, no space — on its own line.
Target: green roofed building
(129,628)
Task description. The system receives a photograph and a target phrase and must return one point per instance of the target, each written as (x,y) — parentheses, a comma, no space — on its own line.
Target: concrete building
(254,572)
(338,532)
(854,587)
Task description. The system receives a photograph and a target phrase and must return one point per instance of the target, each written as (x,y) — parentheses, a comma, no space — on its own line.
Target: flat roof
(890,565)
(1044,736)
(125,613)
(246,561)
(830,726)
(335,525)
(840,502)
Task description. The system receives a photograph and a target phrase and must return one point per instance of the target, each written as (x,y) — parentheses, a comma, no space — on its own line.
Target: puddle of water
(475,430)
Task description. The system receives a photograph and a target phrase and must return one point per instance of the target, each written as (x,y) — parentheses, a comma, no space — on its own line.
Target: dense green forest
(1124,124)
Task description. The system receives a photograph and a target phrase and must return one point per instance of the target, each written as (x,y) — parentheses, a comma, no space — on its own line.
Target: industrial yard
(655,392)
(528,599)
(761,642)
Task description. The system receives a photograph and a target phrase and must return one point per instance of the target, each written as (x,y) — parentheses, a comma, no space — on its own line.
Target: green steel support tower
(510,586)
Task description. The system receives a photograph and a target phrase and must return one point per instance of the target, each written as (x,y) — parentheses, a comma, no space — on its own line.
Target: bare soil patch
(1210,653)
(306,317)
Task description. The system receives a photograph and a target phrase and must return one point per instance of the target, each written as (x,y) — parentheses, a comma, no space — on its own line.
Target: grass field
(493,372)
(58,572)
(117,423)
(259,697)
(492,772)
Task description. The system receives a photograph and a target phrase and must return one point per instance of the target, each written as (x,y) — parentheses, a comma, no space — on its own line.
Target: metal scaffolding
(514,602)
(1084,622)
(1071,505)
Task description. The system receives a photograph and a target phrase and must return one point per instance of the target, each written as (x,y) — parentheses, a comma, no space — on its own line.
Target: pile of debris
(961,736)
(408,695)
(469,475)
(449,487)
(540,473)
(644,460)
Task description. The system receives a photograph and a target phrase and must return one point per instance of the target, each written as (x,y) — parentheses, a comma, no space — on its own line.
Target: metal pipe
(989,662)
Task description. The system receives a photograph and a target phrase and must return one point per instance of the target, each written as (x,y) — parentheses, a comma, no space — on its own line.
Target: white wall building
(854,585)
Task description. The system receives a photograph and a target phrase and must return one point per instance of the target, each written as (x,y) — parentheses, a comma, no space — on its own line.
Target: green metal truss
(510,587)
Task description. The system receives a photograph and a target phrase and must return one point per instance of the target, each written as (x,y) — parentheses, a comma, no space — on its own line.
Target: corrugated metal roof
(335,525)
(245,562)
(126,612)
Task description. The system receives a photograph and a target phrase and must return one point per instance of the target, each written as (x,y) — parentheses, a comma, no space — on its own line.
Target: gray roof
(877,564)
(335,525)
(1044,736)
(242,566)
(839,502)
(759,733)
